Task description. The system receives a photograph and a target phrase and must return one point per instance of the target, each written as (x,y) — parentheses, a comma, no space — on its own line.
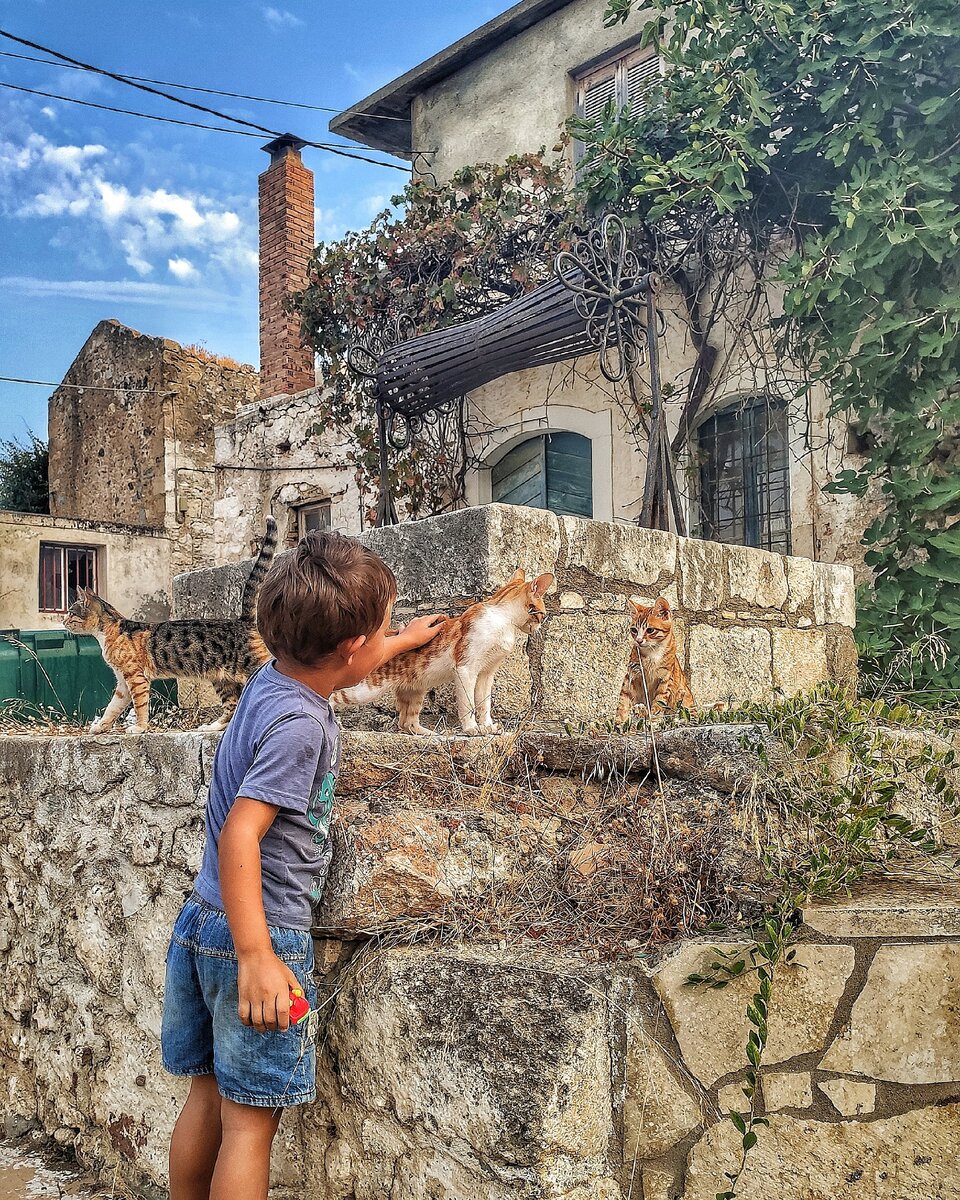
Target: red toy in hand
(298,1006)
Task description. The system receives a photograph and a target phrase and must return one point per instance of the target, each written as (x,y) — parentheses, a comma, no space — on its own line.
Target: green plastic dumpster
(49,672)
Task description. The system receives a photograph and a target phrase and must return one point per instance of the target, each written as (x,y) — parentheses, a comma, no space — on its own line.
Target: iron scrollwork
(610,291)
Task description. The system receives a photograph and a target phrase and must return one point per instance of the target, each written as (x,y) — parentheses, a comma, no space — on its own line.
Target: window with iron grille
(64,570)
(744,493)
(552,470)
(626,80)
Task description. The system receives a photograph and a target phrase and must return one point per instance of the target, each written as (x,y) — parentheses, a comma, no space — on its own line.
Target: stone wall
(133,567)
(131,437)
(751,624)
(273,457)
(460,1068)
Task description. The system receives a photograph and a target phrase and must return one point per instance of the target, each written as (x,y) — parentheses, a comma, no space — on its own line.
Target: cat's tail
(248,605)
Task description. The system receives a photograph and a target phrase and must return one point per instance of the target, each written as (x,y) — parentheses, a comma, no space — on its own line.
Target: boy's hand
(264,984)
(417,633)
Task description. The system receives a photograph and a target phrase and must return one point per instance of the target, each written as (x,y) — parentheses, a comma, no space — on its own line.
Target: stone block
(890,908)
(625,553)
(729,665)
(905,1024)
(711,1024)
(834,595)
(786,1089)
(907,1157)
(850,1099)
(466,554)
(497,1065)
(702,584)
(756,577)
(659,1108)
(583,664)
(799,585)
(799,659)
(213,594)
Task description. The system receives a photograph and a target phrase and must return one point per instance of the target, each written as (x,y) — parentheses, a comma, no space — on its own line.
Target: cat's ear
(542,584)
(635,603)
(519,576)
(662,608)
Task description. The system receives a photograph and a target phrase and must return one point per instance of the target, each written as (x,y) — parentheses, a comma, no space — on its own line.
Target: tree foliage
(23,475)
(454,251)
(833,127)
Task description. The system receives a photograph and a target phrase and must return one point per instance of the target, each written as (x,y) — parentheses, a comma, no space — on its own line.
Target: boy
(242,940)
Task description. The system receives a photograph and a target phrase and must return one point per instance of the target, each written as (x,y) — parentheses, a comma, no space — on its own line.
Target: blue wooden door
(553,470)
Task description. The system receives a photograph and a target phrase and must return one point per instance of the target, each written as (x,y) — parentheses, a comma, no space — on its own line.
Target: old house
(754,469)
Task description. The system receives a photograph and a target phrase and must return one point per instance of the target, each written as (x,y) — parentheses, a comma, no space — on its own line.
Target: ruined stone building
(131,476)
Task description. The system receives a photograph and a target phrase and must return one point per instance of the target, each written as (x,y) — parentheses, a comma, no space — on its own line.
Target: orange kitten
(467,653)
(655,681)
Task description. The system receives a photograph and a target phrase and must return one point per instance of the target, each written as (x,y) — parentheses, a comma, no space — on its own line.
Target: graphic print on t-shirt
(319,812)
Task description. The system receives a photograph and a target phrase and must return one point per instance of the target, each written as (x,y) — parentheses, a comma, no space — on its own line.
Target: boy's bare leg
(196,1141)
(243,1165)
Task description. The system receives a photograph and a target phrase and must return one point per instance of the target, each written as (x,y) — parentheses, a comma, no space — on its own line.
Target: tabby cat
(224,652)
(467,652)
(655,681)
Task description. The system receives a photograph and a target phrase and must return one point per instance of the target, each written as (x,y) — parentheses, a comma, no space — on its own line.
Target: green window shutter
(553,471)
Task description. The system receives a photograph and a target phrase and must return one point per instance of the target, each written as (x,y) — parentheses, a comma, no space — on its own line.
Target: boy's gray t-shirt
(282,746)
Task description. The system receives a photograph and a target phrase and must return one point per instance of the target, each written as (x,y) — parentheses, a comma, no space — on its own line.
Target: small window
(627,80)
(64,570)
(553,470)
(312,517)
(745,476)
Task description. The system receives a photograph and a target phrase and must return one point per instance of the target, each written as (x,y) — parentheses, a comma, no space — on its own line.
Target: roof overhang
(365,123)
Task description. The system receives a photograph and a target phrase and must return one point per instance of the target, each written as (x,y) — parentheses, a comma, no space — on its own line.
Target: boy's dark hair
(324,591)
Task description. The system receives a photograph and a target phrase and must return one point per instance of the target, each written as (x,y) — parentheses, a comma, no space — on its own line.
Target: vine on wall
(831,128)
(454,251)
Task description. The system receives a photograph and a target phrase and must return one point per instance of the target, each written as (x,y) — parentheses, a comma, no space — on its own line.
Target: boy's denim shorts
(202,1033)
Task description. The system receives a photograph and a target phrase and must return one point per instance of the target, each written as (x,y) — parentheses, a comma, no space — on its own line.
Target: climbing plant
(451,251)
(828,131)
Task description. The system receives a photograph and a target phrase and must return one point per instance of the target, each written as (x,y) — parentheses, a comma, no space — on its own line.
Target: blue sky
(103,215)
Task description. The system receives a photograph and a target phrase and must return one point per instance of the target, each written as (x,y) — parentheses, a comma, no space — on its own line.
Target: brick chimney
(286,243)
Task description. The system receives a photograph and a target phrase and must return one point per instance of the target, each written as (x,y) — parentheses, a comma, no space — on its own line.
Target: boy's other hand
(264,984)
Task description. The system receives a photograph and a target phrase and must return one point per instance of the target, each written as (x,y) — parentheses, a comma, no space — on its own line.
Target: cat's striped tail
(248,605)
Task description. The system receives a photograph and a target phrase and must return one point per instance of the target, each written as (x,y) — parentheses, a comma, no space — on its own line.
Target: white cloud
(280,18)
(134,291)
(148,226)
(182,268)
(49,112)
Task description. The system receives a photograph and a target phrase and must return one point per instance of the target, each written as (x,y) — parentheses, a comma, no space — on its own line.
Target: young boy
(242,940)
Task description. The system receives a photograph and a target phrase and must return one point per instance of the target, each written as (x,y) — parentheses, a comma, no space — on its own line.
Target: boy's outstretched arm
(264,981)
(414,634)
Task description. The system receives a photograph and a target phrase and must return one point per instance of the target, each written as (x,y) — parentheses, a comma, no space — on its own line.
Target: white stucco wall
(517,98)
(275,456)
(133,567)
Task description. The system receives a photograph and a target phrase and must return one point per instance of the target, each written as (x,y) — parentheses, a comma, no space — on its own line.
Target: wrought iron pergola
(599,302)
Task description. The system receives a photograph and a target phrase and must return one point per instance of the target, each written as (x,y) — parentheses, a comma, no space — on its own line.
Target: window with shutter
(553,471)
(642,76)
(626,80)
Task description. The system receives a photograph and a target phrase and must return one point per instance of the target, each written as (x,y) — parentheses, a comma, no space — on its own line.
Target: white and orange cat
(467,653)
(655,682)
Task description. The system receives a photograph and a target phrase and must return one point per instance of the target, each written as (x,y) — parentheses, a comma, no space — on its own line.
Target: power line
(129,112)
(142,87)
(83,387)
(262,129)
(189,87)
